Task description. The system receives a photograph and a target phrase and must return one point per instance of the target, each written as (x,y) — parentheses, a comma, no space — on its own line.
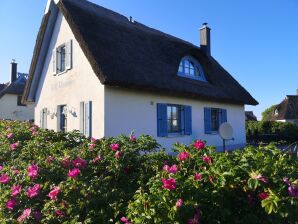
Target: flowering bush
(256,185)
(50,177)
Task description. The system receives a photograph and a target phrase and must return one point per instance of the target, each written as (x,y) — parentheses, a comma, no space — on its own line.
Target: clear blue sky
(256,41)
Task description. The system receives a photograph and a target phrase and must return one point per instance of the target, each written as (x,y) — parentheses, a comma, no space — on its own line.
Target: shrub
(67,178)
(250,186)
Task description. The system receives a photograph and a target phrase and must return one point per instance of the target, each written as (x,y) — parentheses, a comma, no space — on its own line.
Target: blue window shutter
(207,120)
(82,117)
(162,127)
(223,117)
(68,57)
(187,120)
(90,118)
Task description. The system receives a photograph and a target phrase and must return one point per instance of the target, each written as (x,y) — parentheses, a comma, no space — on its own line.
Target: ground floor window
(62,118)
(213,118)
(173,119)
(43,118)
(86,118)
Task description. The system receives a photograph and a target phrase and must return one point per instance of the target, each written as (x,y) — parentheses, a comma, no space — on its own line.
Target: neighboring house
(11,106)
(99,72)
(249,116)
(287,110)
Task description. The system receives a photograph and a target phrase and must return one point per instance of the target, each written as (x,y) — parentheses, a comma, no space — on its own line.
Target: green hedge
(48,177)
(268,131)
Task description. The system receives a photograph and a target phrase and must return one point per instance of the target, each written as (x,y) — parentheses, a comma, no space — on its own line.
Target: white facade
(9,109)
(115,110)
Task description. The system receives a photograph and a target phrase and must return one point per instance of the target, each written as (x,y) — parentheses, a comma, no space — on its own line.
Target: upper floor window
(62,58)
(191,68)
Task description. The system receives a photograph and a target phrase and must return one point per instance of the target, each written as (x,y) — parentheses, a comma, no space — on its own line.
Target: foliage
(267,114)
(48,177)
(268,131)
(107,177)
(249,186)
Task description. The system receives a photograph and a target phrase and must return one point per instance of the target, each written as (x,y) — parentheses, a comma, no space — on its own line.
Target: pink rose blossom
(15,190)
(74,173)
(4,179)
(125,220)
(183,156)
(33,191)
(207,159)
(198,176)
(114,147)
(262,178)
(263,196)
(14,146)
(199,144)
(54,193)
(26,214)
(293,191)
(118,154)
(171,169)
(59,213)
(179,203)
(93,140)
(169,184)
(33,171)
(11,204)
(79,163)
(34,133)
(92,145)
(1,168)
(10,135)
(96,159)
(133,138)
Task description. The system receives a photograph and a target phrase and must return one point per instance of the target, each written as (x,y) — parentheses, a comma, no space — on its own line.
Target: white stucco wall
(9,109)
(70,88)
(128,110)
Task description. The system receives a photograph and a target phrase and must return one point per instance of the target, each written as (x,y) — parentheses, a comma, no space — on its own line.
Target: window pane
(214,120)
(169,112)
(174,112)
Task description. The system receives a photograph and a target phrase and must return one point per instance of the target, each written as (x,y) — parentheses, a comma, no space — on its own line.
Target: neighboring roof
(132,55)
(249,116)
(16,88)
(287,109)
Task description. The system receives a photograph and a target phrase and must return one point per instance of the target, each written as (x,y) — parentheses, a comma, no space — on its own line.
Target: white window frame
(56,58)
(86,118)
(193,65)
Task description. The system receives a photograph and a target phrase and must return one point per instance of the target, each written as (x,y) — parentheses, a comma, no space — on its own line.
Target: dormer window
(191,68)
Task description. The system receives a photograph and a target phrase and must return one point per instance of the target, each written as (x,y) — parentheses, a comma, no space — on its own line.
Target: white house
(97,71)
(11,106)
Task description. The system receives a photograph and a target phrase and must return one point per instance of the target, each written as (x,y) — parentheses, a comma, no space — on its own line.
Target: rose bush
(53,177)
(256,185)
(48,177)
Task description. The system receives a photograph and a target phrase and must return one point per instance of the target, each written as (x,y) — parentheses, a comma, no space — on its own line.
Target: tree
(266,115)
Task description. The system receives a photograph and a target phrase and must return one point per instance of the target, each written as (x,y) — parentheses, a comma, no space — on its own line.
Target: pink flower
(65,162)
(118,154)
(114,147)
(125,220)
(183,156)
(211,179)
(4,179)
(54,193)
(14,146)
(207,159)
(10,135)
(293,191)
(50,159)
(171,169)
(92,145)
(74,173)
(33,191)
(79,163)
(59,213)
(15,190)
(11,204)
(262,178)
(263,196)
(26,214)
(96,159)
(169,184)
(179,203)
(33,171)
(133,138)
(198,176)
(1,168)
(93,140)
(199,144)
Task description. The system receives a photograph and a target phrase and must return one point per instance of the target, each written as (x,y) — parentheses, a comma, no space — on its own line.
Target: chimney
(13,71)
(205,39)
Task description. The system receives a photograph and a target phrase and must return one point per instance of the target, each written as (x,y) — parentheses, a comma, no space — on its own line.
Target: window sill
(212,133)
(175,135)
(61,73)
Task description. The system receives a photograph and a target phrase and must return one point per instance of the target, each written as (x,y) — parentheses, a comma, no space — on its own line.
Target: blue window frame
(173,119)
(213,118)
(189,67)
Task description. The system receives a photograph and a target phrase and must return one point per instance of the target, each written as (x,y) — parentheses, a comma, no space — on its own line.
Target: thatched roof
(131,55)
(15,88)
(249,116)
(287,109)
